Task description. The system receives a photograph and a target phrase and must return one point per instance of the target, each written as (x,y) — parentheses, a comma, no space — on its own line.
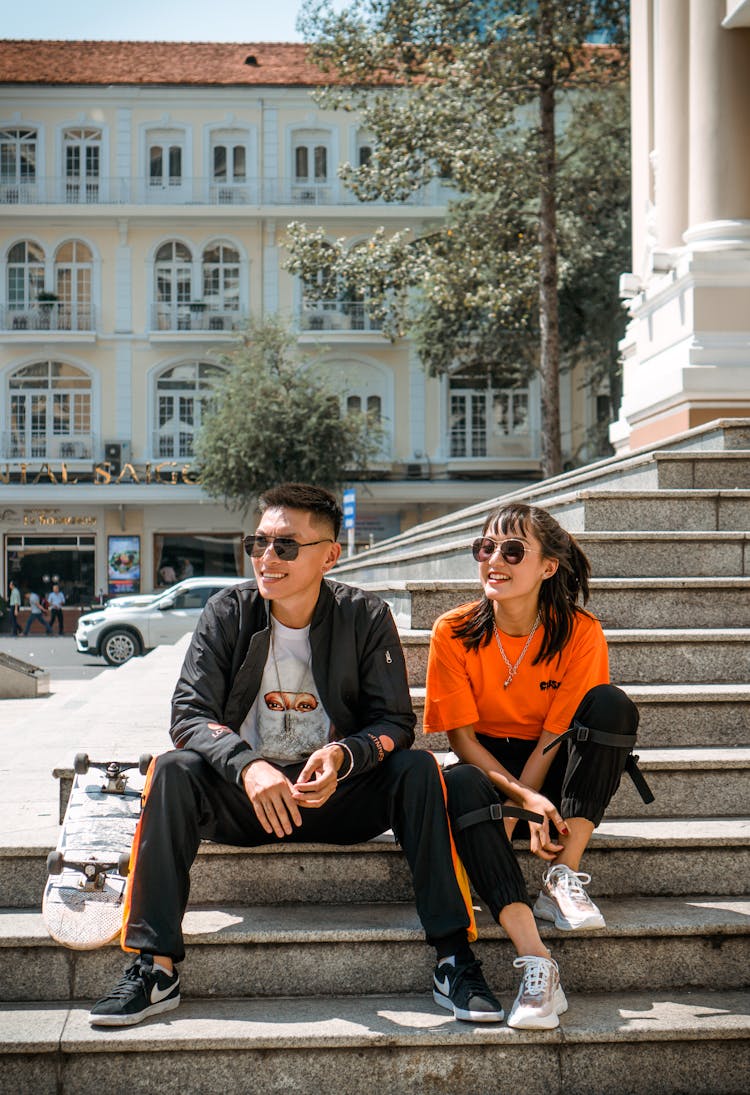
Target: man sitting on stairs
(293,723)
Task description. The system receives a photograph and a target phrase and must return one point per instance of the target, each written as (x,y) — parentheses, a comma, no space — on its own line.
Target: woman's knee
(468,788)
(607,707)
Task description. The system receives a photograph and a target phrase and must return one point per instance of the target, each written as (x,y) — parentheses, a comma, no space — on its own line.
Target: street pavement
(113,714)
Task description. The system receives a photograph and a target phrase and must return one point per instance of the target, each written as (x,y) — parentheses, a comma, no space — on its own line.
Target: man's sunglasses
(511,550)
(284,547)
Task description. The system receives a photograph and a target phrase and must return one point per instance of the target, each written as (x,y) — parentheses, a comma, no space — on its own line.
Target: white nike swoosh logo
(157,994)
(443,986)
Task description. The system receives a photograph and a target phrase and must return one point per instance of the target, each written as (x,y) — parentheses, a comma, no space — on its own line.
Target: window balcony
(42,447)
(336,315)
(201,191)
(45,316)
(196,317)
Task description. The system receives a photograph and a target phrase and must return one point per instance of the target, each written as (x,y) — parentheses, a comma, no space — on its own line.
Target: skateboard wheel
(123,864)
(81,764)
(55,862)
(144,763)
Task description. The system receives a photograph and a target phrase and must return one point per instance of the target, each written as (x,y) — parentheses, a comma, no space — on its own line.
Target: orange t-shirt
(465,688)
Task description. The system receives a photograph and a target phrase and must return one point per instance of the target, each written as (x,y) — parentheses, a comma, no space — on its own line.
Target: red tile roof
(214,64)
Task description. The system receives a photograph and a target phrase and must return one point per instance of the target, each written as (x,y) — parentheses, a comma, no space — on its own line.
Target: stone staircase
(306,968)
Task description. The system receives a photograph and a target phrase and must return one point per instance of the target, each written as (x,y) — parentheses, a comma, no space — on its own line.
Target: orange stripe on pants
(462,879)
(133,857)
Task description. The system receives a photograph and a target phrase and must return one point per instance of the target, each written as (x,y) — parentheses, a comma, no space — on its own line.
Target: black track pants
(581,781)
(189,801)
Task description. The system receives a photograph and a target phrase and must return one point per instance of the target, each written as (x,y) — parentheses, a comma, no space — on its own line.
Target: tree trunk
(549,364)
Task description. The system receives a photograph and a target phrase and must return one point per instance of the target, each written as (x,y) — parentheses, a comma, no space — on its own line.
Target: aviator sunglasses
(512,550)
(284,547)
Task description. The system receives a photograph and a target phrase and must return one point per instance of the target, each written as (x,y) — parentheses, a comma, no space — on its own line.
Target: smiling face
(516,585)
(293,585)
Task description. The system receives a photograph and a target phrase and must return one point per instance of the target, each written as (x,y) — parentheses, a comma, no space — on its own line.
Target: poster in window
(124,564)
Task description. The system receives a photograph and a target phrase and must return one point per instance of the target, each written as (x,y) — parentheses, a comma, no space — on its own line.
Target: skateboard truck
(113,770)
(94,871)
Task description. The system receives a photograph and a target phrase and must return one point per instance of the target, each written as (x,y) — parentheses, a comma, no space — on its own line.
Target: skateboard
(84,896)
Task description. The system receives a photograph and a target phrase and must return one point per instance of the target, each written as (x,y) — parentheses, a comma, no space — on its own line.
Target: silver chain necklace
(513,669)
(287,713)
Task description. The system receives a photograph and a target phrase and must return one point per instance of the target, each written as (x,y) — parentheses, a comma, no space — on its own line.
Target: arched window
(372,405)
(182,395)
(221,286)
(173,287)
(25,275)
(50,412)
(229,166)
(17,164)
(73,267)
(166,153)
(311,158)
(82,148)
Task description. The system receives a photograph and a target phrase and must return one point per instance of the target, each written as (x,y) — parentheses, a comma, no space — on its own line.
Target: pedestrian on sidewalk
(519,680)
(36,614)
(14,604)
(56,600)
(293,723)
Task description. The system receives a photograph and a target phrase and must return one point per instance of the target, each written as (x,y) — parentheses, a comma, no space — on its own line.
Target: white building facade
(686,352)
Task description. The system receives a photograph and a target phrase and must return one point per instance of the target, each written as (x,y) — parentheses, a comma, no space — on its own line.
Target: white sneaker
(563,900)
(540,999)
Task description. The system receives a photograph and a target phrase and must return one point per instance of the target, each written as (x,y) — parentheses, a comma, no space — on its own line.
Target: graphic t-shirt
(287,721)
(465,688)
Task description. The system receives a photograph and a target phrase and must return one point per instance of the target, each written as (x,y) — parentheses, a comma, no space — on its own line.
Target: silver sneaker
(541,1000)
(563,900)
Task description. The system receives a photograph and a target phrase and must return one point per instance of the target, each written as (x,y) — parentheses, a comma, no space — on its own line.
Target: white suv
(129,626)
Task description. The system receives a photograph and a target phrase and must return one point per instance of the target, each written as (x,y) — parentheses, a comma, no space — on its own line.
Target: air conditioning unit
(116,453)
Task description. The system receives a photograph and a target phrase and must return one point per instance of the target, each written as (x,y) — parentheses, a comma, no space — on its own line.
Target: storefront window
(179,555)
(34,563)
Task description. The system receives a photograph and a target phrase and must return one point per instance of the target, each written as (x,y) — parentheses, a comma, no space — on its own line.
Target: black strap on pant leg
(579,732)
(495,812)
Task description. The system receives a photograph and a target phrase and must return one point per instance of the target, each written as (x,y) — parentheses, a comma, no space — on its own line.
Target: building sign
(350,508)
(166,472)
(54,517)
(124,564)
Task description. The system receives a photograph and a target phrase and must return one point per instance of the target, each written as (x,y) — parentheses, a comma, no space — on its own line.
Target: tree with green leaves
(511,103)
(274,418)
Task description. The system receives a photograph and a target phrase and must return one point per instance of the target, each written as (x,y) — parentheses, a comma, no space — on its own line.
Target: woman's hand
(541,843)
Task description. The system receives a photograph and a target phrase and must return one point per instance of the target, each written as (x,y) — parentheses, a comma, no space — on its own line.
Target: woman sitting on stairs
(519,681)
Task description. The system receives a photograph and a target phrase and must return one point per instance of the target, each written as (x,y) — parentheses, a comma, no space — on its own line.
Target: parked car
(128,627)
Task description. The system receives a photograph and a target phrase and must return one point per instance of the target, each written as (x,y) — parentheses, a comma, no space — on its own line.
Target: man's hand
(541,843)
(317,780)
(272,796)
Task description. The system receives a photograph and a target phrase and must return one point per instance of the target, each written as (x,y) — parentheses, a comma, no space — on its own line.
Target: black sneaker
(140,992)
(463,990)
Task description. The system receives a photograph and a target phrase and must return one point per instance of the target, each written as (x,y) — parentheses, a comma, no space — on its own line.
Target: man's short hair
(306,497)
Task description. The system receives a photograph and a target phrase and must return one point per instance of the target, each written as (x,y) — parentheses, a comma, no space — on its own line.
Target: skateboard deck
(84,896)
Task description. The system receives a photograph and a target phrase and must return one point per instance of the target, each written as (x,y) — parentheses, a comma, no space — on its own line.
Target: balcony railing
(41,446)
(336,315)
(201,191)
(47,316)
(195,317)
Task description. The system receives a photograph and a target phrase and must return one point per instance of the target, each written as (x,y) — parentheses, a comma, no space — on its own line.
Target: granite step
(697,782)
(337,950)
(612,510)
(674,1043)
(623,554)
(618,602)
(652,857)
(641,655)
(671,716)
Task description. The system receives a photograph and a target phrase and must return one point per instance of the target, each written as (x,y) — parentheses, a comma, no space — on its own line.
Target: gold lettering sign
(167,473)
(54,517)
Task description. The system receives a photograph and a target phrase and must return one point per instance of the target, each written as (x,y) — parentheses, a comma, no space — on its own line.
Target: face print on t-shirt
(291,720)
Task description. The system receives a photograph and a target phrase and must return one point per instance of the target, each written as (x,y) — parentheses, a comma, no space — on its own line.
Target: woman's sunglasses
(284,547)
(511,550)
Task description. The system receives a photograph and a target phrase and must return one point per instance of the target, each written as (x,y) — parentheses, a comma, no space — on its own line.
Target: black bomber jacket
(357,663)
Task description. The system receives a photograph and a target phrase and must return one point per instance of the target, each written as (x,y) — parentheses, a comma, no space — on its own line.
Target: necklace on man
(287,712)
(513,668)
